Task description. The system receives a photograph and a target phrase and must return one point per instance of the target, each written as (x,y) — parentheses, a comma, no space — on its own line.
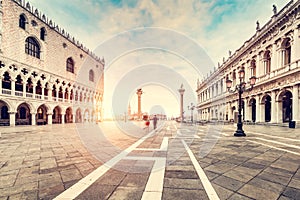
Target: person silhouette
(155,122)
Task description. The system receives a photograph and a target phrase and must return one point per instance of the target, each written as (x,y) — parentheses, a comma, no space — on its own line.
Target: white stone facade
(46,75)
(273,56)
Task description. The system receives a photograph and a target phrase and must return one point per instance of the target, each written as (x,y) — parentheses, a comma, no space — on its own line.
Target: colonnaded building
(46,75)
(272,54)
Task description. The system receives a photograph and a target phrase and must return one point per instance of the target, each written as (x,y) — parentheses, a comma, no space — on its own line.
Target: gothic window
(29,86)
(80,97)
(70,65)
(46,90)
(32,47)
(91,75)
(22,21)
(54,91)
(66,93)
(43,34)
(76,96)
(19,84)
(71,95)
(38,88)
(60,93)
(6,81)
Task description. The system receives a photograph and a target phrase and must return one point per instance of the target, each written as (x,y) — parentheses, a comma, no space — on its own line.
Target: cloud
(214,26)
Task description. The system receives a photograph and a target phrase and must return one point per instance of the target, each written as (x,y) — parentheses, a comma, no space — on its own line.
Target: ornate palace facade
(46,75)
(273,56)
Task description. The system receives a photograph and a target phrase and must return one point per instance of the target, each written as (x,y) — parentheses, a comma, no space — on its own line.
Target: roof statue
(257,25)
(274,9)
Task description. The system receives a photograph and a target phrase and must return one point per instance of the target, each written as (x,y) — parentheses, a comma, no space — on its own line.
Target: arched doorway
(23,116)
(69,116)
(4,115)
(287,106)
(56,117)
(253,109)
(267,103)
(41,116)
(78,118)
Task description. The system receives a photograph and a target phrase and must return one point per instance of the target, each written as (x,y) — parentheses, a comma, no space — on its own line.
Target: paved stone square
(125,161)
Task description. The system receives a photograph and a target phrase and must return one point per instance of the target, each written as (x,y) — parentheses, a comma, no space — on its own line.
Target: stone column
(73,117)
(33,90)
(282,57)
(63,95)
(229,111)
(246,111)
(274,64)
(50,87)
(43,92)
(49,118)
(69,96)
(139,92)
(296,103)
(273,108)
(13,86)
(24,89)
(33,121)
(258,109)
(279,112)
(63,118)
(181,92)
(82,118)
(57,93)
(294,46)
(12,118)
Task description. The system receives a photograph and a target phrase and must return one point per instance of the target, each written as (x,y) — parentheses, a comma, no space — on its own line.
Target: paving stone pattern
(42,162)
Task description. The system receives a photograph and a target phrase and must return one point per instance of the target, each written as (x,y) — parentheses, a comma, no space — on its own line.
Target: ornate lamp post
(191,108)
(240,88)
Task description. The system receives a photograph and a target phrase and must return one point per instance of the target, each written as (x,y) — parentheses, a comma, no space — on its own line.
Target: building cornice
(278,22)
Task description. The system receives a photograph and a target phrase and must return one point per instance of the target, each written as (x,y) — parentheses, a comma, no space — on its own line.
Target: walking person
(154,122)
(147,123)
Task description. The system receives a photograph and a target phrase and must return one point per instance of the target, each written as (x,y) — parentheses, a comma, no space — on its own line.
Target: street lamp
(191,108)
(240,88)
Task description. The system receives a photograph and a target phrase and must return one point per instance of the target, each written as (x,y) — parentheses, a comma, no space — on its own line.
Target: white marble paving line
(278,148)
(281,143)
(210,191)
(225,134)
(271,136)
(155,184)
(274,136)
(163,146)
(87,181)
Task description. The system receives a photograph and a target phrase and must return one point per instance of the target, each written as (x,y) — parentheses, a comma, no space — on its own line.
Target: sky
(157,45)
